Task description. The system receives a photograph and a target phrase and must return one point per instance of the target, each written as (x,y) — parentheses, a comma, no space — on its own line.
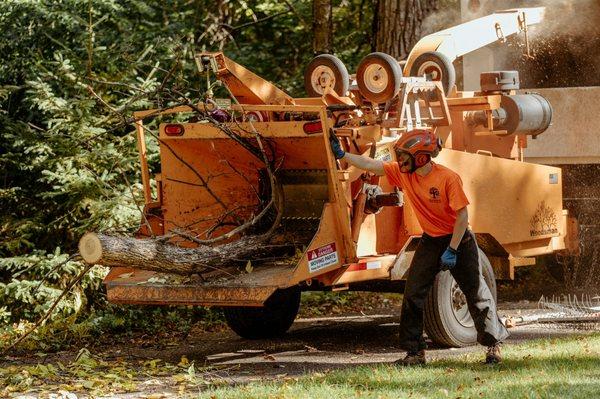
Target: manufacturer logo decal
(322,257)
(543,221)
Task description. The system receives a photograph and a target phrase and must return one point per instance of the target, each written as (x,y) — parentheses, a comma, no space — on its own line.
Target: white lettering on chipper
(322,257)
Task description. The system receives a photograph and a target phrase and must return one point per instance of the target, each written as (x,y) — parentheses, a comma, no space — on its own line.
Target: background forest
(73,71)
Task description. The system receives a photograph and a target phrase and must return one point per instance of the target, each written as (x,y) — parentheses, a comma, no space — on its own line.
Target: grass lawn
(560,368)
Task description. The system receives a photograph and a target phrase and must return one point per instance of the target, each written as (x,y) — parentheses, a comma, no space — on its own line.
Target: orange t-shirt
(435,197)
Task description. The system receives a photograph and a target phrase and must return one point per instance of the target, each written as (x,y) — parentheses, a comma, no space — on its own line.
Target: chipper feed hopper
(251,208)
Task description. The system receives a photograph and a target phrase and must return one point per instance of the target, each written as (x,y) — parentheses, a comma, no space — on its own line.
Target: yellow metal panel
(132,286)
(514,201)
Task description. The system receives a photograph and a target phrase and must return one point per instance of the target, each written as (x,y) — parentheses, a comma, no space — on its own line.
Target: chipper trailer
(251,208)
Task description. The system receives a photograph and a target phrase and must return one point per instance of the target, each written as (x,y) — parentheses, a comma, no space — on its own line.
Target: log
(154,255)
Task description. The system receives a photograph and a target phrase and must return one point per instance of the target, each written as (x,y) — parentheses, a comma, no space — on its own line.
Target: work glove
(336,146)
(448,259)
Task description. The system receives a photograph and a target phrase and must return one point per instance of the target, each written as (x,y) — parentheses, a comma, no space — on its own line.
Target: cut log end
(90,248)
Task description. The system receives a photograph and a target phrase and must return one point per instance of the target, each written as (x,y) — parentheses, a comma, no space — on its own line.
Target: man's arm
(365,163)
(460,226)
(360,161)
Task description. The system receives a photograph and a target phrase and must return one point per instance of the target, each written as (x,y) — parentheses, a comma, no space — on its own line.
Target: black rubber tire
(393,70)
(441,323)
(269,321)
(340,73)
(445,69)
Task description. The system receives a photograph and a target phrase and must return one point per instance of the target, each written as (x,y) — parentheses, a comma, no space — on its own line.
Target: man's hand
(448,259)
(336,147)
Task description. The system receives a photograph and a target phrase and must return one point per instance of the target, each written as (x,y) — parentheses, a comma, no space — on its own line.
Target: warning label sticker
(383,154)
(322,257)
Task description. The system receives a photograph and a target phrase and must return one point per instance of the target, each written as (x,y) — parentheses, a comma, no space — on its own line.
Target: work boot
(412,359)
(493,355)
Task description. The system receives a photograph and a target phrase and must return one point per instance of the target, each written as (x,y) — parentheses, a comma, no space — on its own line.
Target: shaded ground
(152,367)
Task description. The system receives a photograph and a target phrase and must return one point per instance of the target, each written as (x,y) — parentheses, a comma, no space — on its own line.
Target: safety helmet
(420,144)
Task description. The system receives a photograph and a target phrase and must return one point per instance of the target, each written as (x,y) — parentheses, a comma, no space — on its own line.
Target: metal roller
(528,114)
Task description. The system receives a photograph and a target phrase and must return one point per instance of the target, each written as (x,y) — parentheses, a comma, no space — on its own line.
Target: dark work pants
(467,273)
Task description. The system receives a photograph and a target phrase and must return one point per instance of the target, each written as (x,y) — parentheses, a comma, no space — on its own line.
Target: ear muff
(421,159)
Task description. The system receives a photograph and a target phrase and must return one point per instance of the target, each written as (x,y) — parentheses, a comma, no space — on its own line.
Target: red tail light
(174,130)
(312,127)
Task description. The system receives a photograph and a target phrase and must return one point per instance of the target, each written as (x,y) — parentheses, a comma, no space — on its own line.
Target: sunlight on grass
(548,368)
(560,368)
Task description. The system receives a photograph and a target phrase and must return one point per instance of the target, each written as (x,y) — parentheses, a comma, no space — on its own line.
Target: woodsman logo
(434,195)
(543,221)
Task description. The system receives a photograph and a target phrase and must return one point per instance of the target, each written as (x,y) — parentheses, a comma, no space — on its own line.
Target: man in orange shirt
(440,204)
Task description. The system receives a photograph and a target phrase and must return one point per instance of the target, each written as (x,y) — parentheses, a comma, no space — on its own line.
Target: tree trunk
(397,25)
(154,255)
(322,27)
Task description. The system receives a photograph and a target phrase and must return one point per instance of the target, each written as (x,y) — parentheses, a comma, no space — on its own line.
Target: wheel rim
(322,77)
(253,116)
(460,310)
(431,70)
(376,78)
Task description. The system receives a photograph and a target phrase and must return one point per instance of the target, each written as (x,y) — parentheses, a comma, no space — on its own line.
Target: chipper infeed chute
(210,185)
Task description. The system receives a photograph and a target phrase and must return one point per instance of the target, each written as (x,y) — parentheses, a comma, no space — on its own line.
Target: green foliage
(165,324)
(69,163)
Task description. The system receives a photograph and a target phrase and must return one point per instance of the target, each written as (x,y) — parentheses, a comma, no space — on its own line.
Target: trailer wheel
(436,67)
(269,321)
(324,71)
(378,77)
(447,318)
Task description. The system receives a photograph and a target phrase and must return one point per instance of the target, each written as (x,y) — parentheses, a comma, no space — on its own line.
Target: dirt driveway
(312,345)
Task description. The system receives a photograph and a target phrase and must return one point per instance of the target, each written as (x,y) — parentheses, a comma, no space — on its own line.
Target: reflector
(312,127)
(174,130)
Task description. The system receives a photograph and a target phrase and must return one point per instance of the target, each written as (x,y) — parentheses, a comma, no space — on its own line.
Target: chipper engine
(250,207)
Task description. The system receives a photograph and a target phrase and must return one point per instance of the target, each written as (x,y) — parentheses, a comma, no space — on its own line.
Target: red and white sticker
(322,257)
(354,267)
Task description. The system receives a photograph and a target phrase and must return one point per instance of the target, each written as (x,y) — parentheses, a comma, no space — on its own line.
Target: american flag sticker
(322,257)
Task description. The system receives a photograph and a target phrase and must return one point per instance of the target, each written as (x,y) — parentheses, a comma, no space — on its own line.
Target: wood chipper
(251,208)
